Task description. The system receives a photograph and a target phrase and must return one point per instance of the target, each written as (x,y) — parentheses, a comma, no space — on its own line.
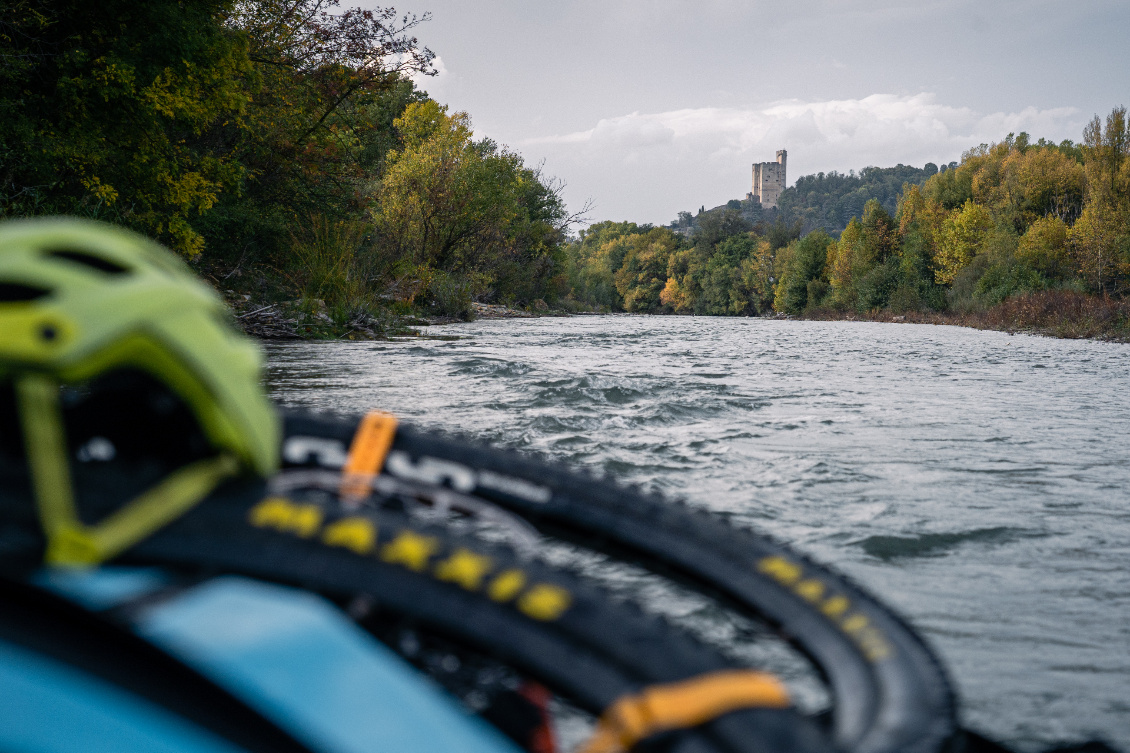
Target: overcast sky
(649,107)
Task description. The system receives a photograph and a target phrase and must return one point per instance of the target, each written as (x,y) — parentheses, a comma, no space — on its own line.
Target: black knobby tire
(890,693)
(596,652)
(593,653)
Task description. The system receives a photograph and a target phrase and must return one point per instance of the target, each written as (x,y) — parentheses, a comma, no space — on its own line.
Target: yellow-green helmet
(80,299)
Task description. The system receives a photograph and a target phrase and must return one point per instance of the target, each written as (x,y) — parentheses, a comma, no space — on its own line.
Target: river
(978,482)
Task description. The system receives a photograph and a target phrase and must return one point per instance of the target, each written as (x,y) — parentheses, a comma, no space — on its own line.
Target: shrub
(1044,247)
(875,288)
(326,263)
(449,295)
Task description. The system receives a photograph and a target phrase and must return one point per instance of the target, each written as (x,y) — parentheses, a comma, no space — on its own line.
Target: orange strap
(367,453)
(681,705)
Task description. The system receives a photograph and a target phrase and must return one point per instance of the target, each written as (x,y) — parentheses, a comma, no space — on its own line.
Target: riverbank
(313,320)
(1051,313)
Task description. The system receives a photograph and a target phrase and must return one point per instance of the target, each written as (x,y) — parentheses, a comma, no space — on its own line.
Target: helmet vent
(14,292)
(89,260)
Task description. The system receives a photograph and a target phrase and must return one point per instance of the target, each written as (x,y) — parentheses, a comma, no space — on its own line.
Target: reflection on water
(977,481)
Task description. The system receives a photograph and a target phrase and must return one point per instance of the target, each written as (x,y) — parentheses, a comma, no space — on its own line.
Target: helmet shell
(80,298)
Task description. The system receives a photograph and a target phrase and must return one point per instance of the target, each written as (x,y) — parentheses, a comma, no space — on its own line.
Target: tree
(643,275)
(117,110)
(1107,149)
(806,263)
(1044,247)
(331,57)
(593,261)
(447,202)
(1050,183)
(841,265)
(1100,244)
(879,234)
(217,120)
(1100,239)
(830,200)
(716,225)
(960,239)
(729,285)
(323,91)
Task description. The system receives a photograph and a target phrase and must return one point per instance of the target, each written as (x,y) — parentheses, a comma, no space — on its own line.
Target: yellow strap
(46,447)
(682,705)
(367,453)
(69,541)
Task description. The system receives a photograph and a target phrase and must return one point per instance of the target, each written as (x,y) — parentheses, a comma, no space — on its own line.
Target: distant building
(769,180)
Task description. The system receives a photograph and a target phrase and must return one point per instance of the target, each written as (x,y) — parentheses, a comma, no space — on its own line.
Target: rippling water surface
(977,481)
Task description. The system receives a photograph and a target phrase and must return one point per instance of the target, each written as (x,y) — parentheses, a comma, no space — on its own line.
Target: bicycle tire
(890,692)
(593,653)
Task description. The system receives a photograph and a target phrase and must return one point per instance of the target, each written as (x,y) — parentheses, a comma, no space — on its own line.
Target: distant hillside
(830,200)
(825,200)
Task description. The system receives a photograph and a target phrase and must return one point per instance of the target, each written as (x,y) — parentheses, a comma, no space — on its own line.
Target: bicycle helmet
(99,327)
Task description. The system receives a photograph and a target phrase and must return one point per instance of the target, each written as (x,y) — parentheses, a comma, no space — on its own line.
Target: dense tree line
(278,141)
(1013,217)
(725,267)
(828,201)
(825,201)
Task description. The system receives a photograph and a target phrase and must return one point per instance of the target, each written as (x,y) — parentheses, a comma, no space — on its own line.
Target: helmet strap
(69,541)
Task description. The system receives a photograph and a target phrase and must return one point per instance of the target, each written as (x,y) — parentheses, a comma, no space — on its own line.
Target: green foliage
(280,141)
(829,200)
(593,261)
(1044,248)
(118,110)
(960,239)
(1001,281)
(803,282)
(876,285)
(329,263)
(723,268)
(950,189)
(450,203)
(783,233)
(450,295)
(715,226)
(731,283)
(916,290)
(643,274)
(1013,219)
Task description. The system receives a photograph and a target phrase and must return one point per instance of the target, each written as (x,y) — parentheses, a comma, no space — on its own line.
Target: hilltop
(826,201)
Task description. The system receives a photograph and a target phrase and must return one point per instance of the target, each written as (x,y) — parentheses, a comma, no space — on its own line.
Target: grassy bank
(1054,313)
(271,315)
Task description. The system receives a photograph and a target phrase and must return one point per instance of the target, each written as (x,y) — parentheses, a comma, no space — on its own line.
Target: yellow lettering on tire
(506,585)
(835,606)
(780,570)
(810,590)
(411,550)
(285,516)
(356,534)
(544,602)
(465,568)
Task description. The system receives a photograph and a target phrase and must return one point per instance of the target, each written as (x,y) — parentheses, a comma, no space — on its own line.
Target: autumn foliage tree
(281,144)
(448,205)
(1011,218)
(113,110)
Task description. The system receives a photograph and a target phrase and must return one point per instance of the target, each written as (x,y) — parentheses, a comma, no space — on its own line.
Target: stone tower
(769,180)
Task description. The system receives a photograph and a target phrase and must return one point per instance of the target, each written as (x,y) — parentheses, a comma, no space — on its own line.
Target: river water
(978,482)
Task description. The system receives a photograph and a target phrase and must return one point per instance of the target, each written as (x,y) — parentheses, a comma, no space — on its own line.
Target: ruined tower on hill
(769,180)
